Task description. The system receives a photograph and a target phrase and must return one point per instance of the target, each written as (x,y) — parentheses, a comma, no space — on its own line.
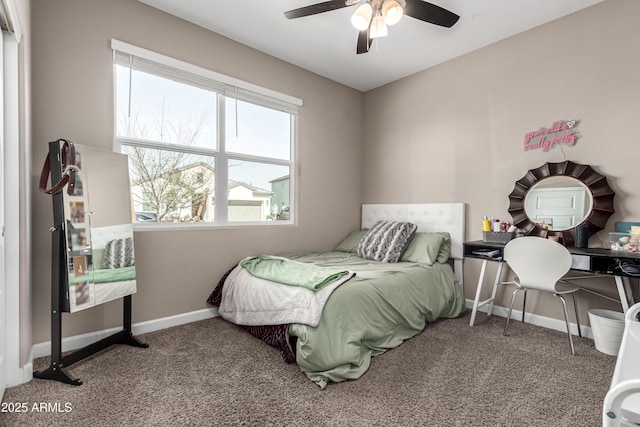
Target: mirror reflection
(100,251)
(558,203)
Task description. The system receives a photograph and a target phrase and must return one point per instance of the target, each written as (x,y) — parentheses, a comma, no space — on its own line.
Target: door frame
(17,206)
(4,306)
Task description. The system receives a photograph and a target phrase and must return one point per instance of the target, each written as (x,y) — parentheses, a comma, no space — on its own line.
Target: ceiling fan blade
(430,13)
(364,42)
(314,9)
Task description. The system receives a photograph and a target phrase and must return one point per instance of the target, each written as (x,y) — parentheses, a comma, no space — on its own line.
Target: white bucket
(607,327)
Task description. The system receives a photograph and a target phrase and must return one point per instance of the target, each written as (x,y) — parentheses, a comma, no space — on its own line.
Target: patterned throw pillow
(118,253)
(386,241)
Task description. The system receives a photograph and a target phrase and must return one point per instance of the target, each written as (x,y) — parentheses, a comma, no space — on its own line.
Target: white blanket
(251,301)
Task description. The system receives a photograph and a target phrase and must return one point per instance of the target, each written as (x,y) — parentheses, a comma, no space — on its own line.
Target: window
(202,147)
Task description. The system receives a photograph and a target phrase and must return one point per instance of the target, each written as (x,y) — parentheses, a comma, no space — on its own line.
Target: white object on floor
(607,327)
(621,405)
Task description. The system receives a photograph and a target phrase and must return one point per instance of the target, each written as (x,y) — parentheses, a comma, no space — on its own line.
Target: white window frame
(240,90)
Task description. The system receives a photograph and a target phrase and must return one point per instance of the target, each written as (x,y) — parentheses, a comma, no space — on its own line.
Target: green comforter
(383,305)
(108,275)
(293,273)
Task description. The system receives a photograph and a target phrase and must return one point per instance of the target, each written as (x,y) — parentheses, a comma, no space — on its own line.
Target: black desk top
(601,260)
(479,244)
(604,252)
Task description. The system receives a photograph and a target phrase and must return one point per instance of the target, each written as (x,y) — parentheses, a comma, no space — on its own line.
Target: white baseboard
(27,372)
(79,341)
(535,319)
(21,375)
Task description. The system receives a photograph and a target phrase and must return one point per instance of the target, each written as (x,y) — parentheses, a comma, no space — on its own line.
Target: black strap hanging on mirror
(68,152)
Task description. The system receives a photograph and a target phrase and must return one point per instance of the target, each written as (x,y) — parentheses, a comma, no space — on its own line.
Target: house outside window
(202,147)
(280,189)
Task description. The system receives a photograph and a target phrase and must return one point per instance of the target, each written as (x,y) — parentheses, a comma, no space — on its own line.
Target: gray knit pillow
(386,241)
(118,253)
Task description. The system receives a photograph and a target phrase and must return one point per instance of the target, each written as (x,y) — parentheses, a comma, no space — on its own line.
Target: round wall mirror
(557,197)
(558,203)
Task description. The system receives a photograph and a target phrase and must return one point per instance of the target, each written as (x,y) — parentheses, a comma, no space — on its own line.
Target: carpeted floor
(212,373)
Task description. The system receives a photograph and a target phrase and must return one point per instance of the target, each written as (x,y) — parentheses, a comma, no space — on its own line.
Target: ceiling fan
(372,17)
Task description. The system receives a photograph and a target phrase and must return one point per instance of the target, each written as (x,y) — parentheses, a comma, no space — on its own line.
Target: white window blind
(157,64)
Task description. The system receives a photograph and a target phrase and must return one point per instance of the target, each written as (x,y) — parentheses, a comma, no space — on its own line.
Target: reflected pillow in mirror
(118,253)
(428,248)
(97,258)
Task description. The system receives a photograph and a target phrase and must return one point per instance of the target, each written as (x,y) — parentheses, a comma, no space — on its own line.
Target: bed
(371,307)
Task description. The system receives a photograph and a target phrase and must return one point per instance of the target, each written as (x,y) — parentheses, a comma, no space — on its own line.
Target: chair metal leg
(575,308)
(524,304)
(566,321)
(513,298)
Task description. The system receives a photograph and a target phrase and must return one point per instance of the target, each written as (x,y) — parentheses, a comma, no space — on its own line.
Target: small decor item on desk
(624,242)
(582,237)
(497,236)
(486,224)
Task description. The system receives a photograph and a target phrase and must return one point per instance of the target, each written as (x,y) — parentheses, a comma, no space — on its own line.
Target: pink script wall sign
(547,138)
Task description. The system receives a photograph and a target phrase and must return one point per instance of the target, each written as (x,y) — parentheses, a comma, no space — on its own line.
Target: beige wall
(73,99)
(454,133)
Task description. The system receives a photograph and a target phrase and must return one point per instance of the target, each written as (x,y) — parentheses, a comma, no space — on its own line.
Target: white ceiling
(326,43)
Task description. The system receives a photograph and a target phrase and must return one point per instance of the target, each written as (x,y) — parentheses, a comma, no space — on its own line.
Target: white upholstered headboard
(429,217)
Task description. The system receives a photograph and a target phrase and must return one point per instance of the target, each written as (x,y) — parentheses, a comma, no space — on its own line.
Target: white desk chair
(621,405)
(539,264)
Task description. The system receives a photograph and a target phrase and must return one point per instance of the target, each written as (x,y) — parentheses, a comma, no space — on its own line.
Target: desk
(595,262)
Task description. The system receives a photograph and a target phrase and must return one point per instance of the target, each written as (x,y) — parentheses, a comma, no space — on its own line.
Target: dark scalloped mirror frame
(596,183)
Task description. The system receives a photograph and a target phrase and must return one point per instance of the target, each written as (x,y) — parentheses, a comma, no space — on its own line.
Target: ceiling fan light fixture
(378,27)
(392,12)
(362,16)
